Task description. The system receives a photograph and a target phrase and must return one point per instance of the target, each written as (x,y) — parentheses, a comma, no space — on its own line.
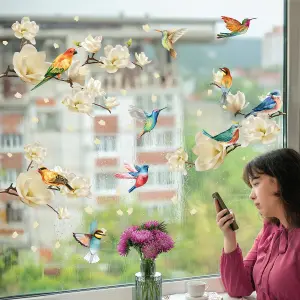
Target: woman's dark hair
(284,165)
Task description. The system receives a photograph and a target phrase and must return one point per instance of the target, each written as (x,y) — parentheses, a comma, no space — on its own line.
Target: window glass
(86,130)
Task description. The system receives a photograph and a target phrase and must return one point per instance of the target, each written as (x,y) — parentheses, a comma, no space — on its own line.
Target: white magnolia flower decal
(30,65)
(77,73)
(210,153)
(177,160)
(27,29)
(259,129)
(142,59)
(32,190)
(91,44)
(63,213)
(81,185)
(93,88)
(80,102)
(217,77)
(111,102)
(35,153)
(236,103)
(116,58)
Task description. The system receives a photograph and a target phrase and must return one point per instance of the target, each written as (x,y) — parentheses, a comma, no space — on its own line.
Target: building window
(8,176)
(168,101)
(105,182)
(48,121)
(160,177)
(11,140)
(108,143)
(48,47)
(147,103)
(13,214)
(156,139)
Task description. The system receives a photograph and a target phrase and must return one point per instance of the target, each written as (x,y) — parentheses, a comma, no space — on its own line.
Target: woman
(272,266)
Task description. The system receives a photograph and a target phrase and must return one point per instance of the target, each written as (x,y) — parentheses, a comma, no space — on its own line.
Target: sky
(268,12)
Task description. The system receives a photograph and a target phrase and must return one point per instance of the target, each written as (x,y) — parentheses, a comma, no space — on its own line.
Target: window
(49,121)
(106,143)
(153,101)
(11,141)
(157,138)
(95,146)
(105,182)
(14,213)
(48,46)
(7,176)
(160,177)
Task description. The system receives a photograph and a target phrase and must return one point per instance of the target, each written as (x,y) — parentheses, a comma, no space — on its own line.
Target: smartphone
(234,226)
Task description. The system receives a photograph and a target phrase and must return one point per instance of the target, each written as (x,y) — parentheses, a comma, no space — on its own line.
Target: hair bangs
(251,171)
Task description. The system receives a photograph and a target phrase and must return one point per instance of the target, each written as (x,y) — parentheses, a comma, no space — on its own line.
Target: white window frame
(125,292)
(292,83)
(291,94)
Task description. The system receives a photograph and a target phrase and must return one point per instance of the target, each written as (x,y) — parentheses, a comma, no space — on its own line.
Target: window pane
(83,121)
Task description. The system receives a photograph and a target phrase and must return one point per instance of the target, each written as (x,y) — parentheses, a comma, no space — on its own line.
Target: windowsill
(126,292)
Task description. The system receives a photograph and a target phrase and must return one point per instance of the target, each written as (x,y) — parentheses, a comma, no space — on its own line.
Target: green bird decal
(149,119)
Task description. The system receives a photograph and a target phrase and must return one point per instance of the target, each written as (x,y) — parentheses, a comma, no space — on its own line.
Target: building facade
(69,137)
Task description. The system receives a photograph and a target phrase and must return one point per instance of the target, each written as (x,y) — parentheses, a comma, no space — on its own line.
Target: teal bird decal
(92,241)
(229,136)
(149,119)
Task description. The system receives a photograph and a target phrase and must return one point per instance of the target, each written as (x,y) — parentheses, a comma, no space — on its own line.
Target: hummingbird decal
(271,104)
(53,178)
(169,38)
(229,136)
(149,119)
(225,85)
(235,27)
(139,173)
(92,241)
(60,64)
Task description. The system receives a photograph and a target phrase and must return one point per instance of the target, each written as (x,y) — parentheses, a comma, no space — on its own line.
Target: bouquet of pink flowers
(150,239)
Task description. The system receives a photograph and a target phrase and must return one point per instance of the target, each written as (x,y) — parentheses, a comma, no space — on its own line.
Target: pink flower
(164,241)
(149,239)
(150,224)
(125,243)
(141,236)
(150,250)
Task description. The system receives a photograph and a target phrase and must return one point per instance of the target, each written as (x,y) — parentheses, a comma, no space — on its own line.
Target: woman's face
(263,194)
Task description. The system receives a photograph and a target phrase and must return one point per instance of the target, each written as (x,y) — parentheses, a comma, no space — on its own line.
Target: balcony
(11,143)
(136,79)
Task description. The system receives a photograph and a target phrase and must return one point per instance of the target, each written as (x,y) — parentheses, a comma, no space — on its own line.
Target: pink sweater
(271,268)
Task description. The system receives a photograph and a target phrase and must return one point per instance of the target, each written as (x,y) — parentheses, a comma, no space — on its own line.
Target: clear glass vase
(148,282)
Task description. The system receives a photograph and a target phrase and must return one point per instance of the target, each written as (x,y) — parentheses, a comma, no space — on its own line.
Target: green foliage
(198,241)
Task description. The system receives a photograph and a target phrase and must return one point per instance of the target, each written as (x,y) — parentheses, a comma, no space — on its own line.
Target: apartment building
(273,47)
(69,137)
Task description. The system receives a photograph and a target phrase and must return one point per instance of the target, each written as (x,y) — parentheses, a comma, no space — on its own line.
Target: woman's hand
(224,221)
